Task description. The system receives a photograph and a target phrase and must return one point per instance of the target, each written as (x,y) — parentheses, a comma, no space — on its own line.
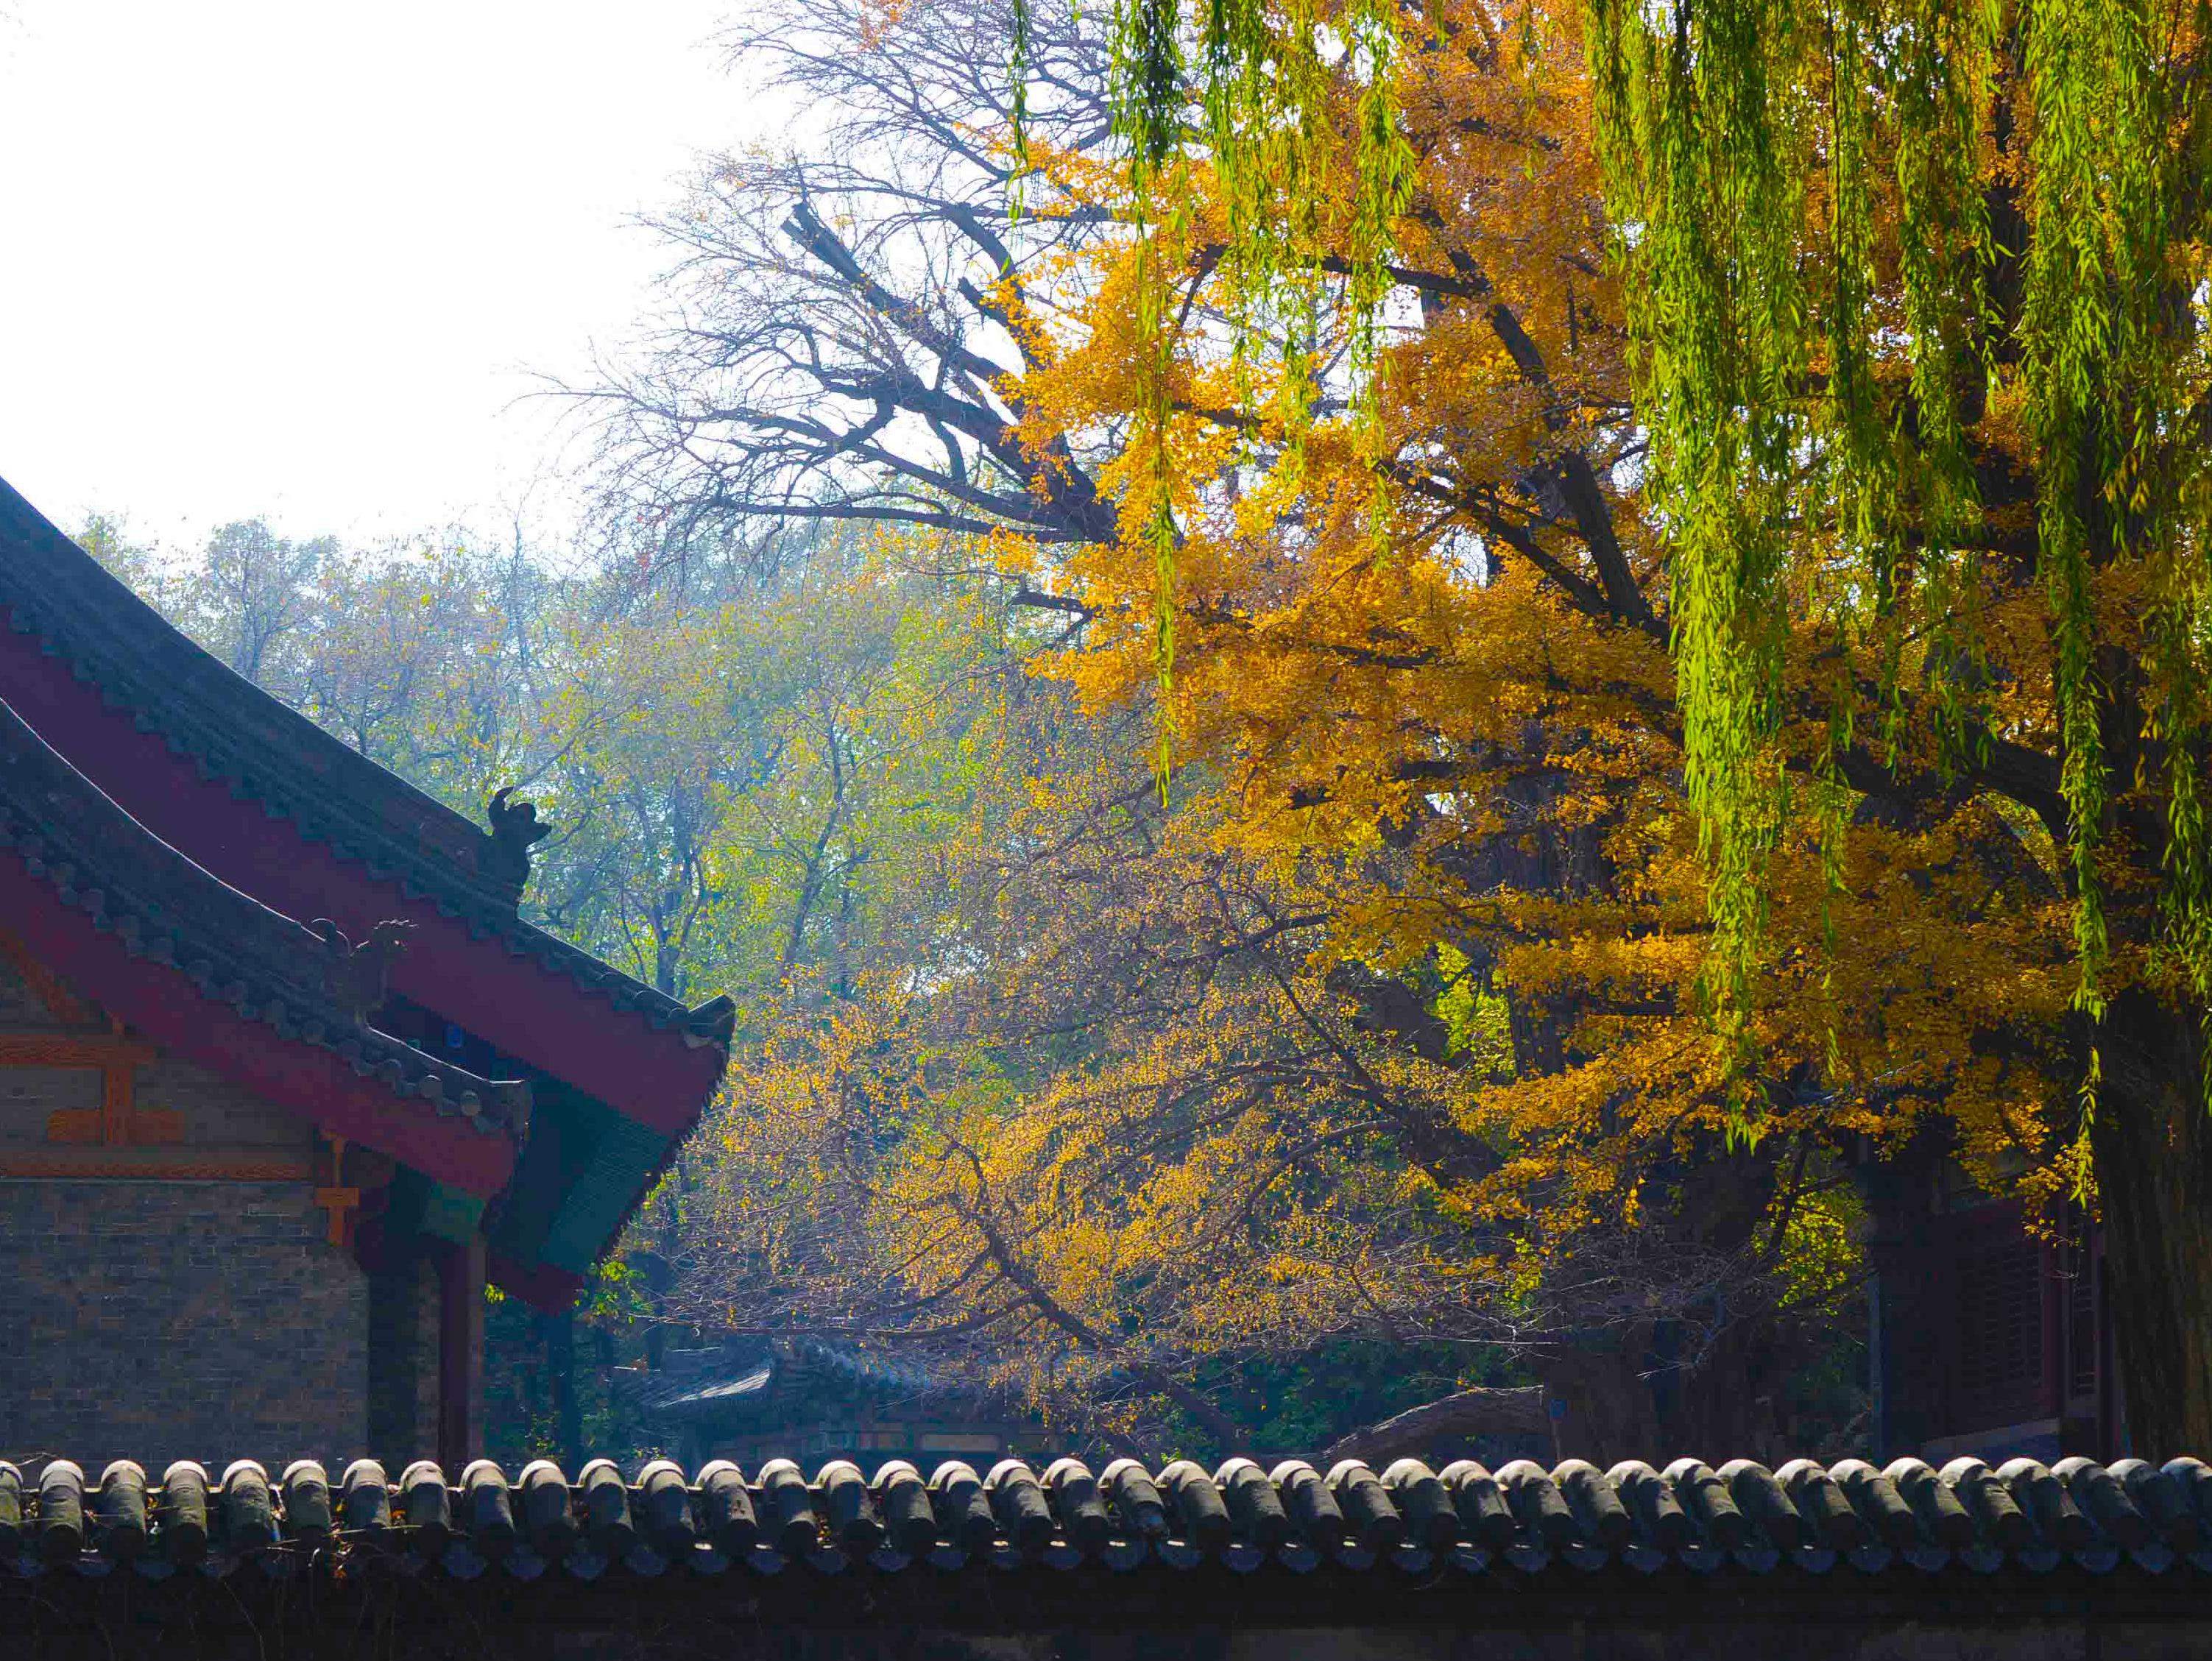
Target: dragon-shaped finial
(357,973)
(514,828)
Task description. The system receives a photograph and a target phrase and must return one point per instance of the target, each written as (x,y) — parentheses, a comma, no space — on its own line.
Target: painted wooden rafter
(103,1164)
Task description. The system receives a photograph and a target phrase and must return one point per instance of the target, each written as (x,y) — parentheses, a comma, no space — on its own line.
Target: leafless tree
(834,343)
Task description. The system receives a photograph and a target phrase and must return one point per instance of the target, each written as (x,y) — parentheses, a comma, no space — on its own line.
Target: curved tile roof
(107,636)
(694,1385)
(223,945)
(1803,1521)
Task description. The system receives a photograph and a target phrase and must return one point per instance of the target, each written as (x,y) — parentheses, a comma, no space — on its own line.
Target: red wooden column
(460,1354)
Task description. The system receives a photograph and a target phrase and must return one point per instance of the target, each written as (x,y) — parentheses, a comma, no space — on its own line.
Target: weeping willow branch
(1743,138)
(1870,244)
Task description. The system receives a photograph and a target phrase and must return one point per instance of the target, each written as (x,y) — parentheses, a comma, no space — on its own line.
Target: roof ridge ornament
(357,974)
(714,1022)
(514,828)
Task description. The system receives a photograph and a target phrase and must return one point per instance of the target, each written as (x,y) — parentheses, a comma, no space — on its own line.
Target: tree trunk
(1607,1410)
(1623,1397)
(2152,1144)
(1728,1406)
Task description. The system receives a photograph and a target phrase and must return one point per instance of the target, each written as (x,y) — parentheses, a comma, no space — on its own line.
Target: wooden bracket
(119,1121)
(114,1053)
(338,1200)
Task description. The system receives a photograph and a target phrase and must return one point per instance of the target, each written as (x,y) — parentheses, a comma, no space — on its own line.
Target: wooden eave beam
(162,1004)
(528,1011)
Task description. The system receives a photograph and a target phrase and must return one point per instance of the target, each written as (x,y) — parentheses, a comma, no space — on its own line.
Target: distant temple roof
(253,814)
(745,1375)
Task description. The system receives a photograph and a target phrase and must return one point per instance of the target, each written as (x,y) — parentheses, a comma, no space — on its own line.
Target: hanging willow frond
(1717,116)
(1870,243)
(1262,109)
(1727,125)
(1017,102)
(1147,91)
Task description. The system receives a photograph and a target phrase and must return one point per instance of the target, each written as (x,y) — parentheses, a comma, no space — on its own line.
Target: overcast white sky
(298,257)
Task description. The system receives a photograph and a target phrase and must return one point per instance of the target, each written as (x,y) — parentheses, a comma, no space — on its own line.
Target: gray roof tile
(1805,1520)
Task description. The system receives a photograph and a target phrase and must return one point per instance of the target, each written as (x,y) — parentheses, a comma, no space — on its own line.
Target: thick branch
(1485,1412)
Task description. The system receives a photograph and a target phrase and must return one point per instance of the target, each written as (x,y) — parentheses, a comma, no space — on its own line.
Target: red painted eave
(536,1015)
(540,1285)
(317,1084)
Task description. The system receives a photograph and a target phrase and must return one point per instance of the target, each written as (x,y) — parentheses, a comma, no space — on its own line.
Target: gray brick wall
(402,1363)
(159,1320)
(165,1320)
(29,1095)
(19,1004)
(218,1114)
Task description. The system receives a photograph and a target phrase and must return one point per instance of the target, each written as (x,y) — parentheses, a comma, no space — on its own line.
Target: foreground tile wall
(1021,1564)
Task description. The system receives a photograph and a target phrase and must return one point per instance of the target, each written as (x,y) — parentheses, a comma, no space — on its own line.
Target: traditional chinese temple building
(1984,1339)
(284,1078)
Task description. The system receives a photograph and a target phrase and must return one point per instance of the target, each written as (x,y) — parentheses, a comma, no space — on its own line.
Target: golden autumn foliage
(1395,1019)
(1193,1085)
(1450,821)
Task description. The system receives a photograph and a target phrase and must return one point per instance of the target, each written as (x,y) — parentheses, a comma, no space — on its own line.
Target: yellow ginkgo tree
(1833,382)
